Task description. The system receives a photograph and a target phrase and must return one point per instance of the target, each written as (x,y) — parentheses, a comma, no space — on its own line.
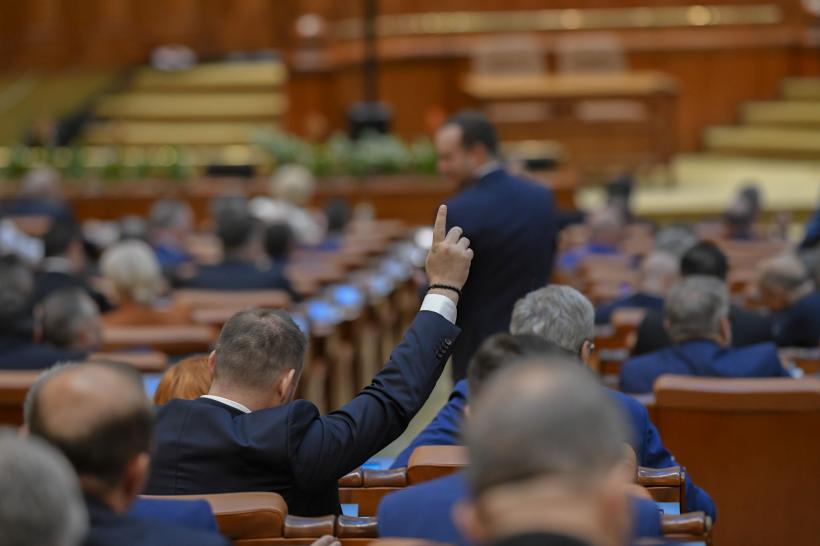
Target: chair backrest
(232,299)
(144,361)
(14,385)
(430,462)
(753,445)
(184,339)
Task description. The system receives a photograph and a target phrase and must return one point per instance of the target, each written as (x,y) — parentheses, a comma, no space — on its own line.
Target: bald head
(96,414)
(558,410)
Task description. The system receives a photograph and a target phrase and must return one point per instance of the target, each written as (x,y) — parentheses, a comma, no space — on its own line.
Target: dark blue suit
(512,226)
(21,354)
(237,275)
(203,446)
(111,529)
(812,235)
(646,441)
(702,358)
(424,511)
(194,514)
(644,301)
(799,324)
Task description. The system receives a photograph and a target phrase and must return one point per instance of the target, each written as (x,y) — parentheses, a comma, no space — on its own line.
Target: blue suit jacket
(21,354)
(646,440)
(645,301)
(424,511)
(701,358)
(111,529)
(237,275)
(812,235)
(512,225)
(799,324)
(203,446)
(194,514)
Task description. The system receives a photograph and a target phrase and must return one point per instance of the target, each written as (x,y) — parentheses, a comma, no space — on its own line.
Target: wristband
(445,287)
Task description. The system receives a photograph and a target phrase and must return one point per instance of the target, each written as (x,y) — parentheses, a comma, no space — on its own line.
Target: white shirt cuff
(442,305)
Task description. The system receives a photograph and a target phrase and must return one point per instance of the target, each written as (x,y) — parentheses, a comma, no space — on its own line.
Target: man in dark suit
(425,511)
(705,258)
(697,318)
(528,489)
(99,417)
(786,287)
(64,264)
(244,266)
(512,222)
(248,434)
(18,350)
(563,317)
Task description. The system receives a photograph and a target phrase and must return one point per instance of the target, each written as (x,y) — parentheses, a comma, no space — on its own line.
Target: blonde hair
(188,379)
(133,269)
(294,184)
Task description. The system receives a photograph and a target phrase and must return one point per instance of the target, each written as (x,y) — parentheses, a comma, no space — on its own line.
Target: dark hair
(256,346)
(235,227)
(60,236)
(705,258)
(475,129)
(338,214)
(16,287)
(503,349)
(278,240)
(62,313)
(104,449)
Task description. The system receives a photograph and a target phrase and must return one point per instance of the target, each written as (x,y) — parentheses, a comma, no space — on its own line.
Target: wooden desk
(618,120)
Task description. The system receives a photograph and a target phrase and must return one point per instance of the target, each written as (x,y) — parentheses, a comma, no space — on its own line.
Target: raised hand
(448,262)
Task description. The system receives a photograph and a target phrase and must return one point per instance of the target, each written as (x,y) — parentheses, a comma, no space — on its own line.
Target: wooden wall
(717,66)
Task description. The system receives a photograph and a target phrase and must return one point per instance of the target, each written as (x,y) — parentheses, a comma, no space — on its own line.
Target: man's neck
(254,401)
(493,164)
(114,499)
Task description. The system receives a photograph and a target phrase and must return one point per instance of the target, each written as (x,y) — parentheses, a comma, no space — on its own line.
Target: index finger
(440,227)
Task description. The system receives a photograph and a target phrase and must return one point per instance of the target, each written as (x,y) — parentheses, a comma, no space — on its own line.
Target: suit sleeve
(333,445)
(654,455)
(445,427)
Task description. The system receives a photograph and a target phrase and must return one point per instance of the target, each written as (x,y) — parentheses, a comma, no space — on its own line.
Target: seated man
(170,223)
(18,350)
(788,290)
(244,265)
(606,229)
(425,511)
(248,434)
(42,504)
(68,319)
(565,318)
(99,417)
(527,489)
(705,258)
(697,318)
(659,272)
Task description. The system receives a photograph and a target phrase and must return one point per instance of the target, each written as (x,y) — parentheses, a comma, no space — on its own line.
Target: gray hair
(675,240)
(570,427)
(168,213)
(786,272)
(695,307)
(560,314)
(133,269)
(41,504)
(64,313)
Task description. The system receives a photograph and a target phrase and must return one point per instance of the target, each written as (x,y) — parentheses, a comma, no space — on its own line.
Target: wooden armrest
(144,361)
(395,477)
(431,462)
(692,523)
(350,527)
(303,527)
(352,479)
(661,477)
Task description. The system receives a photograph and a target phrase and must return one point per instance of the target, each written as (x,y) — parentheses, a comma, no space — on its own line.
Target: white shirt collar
(487,168)
(231,403)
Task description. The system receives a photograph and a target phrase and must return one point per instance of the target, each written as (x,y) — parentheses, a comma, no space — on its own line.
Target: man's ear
(212,362)
(586,351)
(467,518)
(467,411)
(136,474)
(286,386)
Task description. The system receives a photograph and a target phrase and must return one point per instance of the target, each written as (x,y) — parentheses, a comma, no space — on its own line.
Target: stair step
(194,106)
(801,88)
(764,141)
(782,113)
(145,133)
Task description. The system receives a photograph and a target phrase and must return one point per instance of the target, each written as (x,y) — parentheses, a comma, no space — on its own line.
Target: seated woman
(188,379)
(132,269)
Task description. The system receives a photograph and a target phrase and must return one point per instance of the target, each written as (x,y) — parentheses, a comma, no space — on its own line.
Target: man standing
(511,222)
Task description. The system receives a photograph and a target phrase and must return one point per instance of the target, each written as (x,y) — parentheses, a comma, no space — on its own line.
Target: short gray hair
(786,272)
(64,313)
(558,313)
(41,504)
(133,269)
(570,427)
(168,213)
(695,307)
